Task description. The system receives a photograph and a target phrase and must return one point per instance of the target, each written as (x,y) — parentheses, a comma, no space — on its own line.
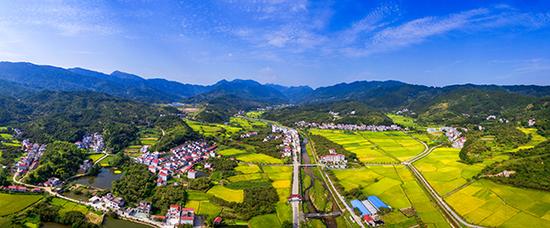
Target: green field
(11,203)
(280,177)
(262,221)
(404,121)
(247,168)
(227,194)
(204,207)
(535,138)
(67,206)
(147,137)
(377,147)
(254,114)
(248,125)
(213,130)
(231,152)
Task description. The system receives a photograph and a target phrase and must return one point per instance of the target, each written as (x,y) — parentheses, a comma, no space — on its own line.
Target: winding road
(457,220)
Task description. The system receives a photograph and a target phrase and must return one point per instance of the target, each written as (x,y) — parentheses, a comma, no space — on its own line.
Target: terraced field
(375,147)
(148,137)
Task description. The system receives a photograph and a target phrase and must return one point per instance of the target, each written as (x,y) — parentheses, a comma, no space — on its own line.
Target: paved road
(295,177)
(457,220)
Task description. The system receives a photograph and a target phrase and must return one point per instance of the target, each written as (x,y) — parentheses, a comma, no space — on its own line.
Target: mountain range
(21,78)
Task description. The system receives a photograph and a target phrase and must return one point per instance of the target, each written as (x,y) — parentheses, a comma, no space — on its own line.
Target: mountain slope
(119,84)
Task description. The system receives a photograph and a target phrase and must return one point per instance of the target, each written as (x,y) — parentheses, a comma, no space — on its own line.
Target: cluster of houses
(405,111)
(143,210)
(249,134)
(177,215)
(369,209)
(92,142)
(493,117)
(286,150)
(86,166)
(108,201)
(52,182)
(349,127)
(180,160)
(17,188)
(454,136)
(334,160)
(30,161)
(531,122)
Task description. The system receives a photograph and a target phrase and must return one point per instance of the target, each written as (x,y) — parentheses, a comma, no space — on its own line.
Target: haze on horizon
(289,42)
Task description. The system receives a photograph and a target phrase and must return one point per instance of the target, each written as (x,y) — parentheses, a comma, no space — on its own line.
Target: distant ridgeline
(362,102)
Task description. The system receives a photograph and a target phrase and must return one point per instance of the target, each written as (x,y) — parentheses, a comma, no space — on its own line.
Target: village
(348,127)
(178,161)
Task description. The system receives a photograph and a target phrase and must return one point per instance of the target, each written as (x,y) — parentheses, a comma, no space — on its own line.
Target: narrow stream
(328,221)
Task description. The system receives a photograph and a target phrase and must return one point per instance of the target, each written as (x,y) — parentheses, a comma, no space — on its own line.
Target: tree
(164,196)
(136,184)
(4,181)
(61,160)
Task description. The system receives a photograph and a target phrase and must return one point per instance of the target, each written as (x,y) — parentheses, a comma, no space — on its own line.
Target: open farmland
(397,187)
(148,137)
(535,138)
(262,221)
(246,124)
(95,157)
(395,143)
(491,204)
(375,147)
(11,203)
(280,177)
(213,130)
(365,150)
(444,171)
(250,157)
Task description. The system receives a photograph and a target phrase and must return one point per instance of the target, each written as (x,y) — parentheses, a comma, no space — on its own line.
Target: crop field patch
(258,158)
(228,194)
(270,220)
(11,203)
(231,152)
(245,177)
(67,206)
(95,157)
(247,168)
(491,204)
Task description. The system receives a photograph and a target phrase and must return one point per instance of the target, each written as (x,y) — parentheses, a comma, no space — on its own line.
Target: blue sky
(294,42)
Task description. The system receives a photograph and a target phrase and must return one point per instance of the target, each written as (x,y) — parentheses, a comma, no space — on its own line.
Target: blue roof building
(377,202)
(357,204)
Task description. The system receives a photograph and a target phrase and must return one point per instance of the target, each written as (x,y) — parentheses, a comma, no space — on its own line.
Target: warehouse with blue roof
(377,202)
(357,204)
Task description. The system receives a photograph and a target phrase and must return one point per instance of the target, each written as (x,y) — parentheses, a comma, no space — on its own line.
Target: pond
(103,180)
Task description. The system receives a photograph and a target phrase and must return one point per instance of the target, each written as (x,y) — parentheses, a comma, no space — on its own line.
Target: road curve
(457,219)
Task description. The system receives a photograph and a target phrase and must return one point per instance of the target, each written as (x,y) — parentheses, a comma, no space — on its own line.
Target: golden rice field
(377,147)
(483,202)
(227,194)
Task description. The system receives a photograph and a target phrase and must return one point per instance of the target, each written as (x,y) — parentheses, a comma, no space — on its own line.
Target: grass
(105,161)
(270,220)
(227,194)
(11,203)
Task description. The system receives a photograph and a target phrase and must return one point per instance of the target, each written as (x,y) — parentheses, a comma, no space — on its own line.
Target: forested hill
(67,116)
